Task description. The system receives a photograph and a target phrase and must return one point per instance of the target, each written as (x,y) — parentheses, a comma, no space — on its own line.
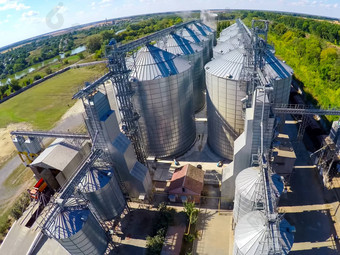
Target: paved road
(314,229)
(70,123)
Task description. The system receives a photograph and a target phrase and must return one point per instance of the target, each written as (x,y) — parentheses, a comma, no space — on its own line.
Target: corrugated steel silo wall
(90,240)
(167,117)
(224,111)
(108,201)
(196,61)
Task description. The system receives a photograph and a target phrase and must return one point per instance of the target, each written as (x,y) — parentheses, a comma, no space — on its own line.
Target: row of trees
(96,43)
(309,47)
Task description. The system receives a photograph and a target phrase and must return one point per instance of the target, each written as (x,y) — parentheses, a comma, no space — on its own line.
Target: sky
(21,19)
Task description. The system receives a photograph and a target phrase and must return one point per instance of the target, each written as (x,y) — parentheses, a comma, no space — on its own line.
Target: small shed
(186,184)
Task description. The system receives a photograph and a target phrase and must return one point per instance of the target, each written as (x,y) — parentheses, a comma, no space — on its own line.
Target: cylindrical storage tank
(101,188)
(209,30)
(254,234)
(198,28)
(164,99)
(224,106)
(76,229)
(227,46)
(281,76)
(33,145)
(195,37)
(193,53)
(248,189)
(19,143)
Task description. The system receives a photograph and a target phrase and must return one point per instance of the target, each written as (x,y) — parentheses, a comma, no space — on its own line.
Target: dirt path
(70,121)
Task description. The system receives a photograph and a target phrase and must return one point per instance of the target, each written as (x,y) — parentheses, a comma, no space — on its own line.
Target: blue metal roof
(276,65)
(69,222)
(95,179)
(200,29)
(164,60)
(193,35)
(184,44)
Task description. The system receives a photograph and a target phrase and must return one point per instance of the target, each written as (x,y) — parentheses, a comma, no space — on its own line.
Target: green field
(43,105)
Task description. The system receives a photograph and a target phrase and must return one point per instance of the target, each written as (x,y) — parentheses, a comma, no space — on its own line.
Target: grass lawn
(44,104)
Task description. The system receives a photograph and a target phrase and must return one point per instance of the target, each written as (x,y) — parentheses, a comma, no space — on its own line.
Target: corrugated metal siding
(182,47)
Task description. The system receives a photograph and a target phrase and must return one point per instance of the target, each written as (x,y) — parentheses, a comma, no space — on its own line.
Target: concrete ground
(305,204)
(216,235)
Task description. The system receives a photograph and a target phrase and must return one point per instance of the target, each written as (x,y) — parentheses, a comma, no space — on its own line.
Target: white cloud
(7,5)
(29,14)
(31,17)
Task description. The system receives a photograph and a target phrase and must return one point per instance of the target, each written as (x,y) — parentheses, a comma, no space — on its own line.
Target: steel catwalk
(164,99)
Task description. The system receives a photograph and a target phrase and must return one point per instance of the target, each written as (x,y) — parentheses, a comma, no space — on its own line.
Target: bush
(37,77)
(20,206)
(65,62)
(67,54)
(81,55)
(155,243)
(48,70)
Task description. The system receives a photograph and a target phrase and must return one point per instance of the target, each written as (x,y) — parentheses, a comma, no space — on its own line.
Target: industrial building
(158,84)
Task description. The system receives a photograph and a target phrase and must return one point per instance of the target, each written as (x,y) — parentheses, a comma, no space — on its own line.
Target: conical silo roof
(192,36)
(255,234)
(229,45)
(275,68)
(229,65)
(153,63)
(229,29)
(178,45)
(69,222)
(95,179)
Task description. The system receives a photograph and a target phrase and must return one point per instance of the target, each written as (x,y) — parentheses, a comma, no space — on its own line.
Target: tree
(48,70)
(15,85)
(81,55)
(94,42)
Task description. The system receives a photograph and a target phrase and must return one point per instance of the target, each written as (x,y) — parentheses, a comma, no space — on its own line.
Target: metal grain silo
(164,99)
(101,188)
(256,234)
(281,76)
(198,29)
(249,191)
(77,230)
(210,30)
(195,37)
(193,53)
(224,107)
(229,45)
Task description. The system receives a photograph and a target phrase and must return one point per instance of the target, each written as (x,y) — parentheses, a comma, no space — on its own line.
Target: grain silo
(195,37)
(256,234)
(164,99)
(249,191)
(209,30)
(224,107)
(101,188)
(280,76)
(193,53)
(198,29)
(77,230)
(229,45)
